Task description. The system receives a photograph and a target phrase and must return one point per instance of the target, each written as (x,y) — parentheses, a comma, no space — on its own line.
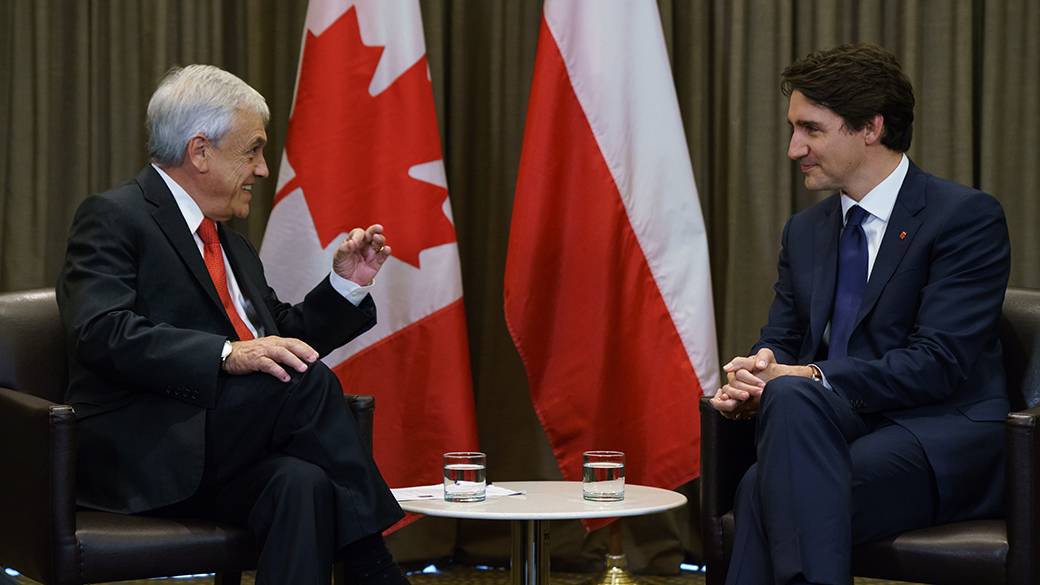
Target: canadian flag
(362,147)
(607,285)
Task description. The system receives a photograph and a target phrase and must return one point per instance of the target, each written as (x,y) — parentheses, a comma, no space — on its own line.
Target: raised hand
(361,255)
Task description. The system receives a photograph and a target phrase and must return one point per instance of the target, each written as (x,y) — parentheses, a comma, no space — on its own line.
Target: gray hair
(197,99)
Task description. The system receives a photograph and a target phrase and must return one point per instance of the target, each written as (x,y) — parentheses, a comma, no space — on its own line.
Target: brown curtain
(75,77)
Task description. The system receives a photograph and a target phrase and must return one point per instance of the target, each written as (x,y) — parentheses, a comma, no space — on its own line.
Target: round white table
(545,500)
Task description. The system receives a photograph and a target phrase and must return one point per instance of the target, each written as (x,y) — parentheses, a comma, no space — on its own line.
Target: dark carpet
(463,576)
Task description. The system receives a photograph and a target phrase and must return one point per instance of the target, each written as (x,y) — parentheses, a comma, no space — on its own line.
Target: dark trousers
(826,479)
(286,461)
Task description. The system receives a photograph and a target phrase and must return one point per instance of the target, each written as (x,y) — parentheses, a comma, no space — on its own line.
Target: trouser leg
(802,483)
(893,486)
(289,506)
(750,561)
(371,562)
(307,418)
(286,461)
(826,479)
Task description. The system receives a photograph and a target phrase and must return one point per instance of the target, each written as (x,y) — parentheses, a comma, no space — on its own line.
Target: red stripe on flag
(424,397)
(607,367)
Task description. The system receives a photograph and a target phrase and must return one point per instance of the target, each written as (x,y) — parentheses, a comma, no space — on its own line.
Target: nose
(261,166)
(798,148)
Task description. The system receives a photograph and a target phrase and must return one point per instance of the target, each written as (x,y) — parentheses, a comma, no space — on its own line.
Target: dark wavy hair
(857,82)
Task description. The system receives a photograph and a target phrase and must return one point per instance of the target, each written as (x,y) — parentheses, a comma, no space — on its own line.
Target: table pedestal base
(616,573)
(529,563)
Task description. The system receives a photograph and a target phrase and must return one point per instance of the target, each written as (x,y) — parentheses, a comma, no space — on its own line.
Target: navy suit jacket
(145,329)
(924,351)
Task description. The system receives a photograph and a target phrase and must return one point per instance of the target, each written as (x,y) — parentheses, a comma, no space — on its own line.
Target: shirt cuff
(352,291)
(823,377)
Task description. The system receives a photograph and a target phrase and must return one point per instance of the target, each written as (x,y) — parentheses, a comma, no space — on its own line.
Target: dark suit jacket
(145,329)
(924,351)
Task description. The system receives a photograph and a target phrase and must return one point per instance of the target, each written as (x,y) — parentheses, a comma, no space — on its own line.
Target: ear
(198,152)
(874,129)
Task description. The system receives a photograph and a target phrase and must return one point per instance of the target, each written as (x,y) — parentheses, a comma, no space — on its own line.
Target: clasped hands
(358,259)
(746,379)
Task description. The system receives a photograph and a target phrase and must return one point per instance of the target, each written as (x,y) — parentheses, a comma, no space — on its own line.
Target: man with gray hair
(197,392)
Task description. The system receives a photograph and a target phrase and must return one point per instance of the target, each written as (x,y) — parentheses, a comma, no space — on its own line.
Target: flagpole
(616,572)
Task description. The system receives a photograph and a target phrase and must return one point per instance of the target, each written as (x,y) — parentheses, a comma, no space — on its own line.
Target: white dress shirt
(193,216)
(878,204)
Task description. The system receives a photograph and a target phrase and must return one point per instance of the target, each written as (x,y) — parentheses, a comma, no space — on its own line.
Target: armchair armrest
(363,408)
(37,456)
(1022,458)
(727,451)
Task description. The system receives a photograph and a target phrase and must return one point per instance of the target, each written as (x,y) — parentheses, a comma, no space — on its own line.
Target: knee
(791,396)
(299,480)
(318,379)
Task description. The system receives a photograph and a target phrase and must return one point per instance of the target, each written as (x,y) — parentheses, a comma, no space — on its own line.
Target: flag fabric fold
(362,147)
(607,283)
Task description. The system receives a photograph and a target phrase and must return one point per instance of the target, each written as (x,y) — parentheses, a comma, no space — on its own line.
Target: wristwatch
(817,375)
(226,351)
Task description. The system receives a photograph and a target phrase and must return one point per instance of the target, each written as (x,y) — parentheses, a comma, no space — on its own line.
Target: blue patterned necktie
(852,280)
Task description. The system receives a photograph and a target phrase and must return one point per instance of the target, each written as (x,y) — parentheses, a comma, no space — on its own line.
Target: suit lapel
(170,219)
(902,226)
(825,271)
(246,279)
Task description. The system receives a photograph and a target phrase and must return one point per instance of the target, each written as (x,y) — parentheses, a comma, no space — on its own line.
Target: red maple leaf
(352,151)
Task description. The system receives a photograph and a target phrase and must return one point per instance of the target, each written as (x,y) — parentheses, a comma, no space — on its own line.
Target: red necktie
(215,264)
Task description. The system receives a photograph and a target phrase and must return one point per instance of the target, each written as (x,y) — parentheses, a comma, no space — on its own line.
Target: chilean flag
(607,285)
(363,147)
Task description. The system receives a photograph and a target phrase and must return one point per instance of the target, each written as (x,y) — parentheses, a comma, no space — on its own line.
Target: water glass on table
(465,476)
(603,476)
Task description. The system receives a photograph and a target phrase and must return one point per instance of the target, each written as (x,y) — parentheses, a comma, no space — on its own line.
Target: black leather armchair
(42,533)
(968,553)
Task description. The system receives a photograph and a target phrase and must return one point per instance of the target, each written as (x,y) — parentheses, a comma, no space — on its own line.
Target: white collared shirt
(193,216)
(878,203)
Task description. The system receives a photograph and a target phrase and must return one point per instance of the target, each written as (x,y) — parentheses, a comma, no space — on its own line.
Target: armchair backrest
(33,359)
(1020,339)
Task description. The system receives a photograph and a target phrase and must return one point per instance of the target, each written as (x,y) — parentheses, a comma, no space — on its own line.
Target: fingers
(740,363)
(371,239)
(376,240)
(744,381)
(373,231)
(722,402)
(269,354)
(731,408)
(764,358)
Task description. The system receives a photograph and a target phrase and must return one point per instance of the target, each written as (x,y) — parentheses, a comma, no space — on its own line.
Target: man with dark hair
(878,383)
(197,392)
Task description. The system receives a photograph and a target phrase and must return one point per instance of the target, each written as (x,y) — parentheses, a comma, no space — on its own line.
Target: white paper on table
(430,492)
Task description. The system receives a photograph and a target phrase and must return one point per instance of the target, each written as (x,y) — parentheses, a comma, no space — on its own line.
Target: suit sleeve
(325,320)
(785,331)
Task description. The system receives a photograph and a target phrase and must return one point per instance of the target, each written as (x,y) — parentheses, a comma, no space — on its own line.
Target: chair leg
(715,573)
(227,579)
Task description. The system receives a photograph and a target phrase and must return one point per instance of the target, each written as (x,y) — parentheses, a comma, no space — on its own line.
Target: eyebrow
(804,124)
